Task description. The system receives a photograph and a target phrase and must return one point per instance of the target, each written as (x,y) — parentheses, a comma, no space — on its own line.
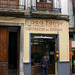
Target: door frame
(56,62)
(21,25)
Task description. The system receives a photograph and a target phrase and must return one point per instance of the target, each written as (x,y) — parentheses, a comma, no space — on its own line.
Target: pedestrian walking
(44,64)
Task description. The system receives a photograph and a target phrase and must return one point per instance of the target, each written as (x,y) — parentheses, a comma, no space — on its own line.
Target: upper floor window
(40,0)
(9,4)
(46,1)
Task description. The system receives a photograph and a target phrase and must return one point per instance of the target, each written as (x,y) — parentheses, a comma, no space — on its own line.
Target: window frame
(46,1)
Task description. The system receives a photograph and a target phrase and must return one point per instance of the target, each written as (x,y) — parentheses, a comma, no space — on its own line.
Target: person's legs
(46,71)
(43,71)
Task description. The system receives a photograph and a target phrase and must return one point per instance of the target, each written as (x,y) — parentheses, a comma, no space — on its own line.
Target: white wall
(67,9)
(28,4)
(21,2)
(34,4)
(71,17)
(56,4)
(64,6)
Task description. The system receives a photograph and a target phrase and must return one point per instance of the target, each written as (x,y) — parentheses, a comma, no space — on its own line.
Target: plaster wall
(31,26)
(71,17)
(64,6)
(41,26)
(59,27)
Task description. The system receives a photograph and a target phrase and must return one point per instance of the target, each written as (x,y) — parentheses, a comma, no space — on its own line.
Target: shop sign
(43,25)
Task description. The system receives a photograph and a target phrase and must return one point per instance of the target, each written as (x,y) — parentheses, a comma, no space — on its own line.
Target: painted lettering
(33,28)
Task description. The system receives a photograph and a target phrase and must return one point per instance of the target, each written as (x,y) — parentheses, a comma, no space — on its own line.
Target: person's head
(44,56)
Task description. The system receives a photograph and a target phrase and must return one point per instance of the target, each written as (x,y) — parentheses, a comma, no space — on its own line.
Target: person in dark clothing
(44,64)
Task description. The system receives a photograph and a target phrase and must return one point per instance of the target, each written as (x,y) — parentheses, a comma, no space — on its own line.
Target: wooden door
(9,4)
(45,5)
(4,36)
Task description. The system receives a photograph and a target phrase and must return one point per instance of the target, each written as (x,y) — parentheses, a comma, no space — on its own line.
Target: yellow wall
(43,26)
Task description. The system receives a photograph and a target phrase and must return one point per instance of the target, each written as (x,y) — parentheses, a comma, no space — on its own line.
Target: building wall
(48,27)
(63,4)
(13,21)
(71,17)
(22,2)
(43,26)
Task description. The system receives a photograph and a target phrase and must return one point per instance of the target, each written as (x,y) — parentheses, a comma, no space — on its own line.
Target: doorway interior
(42,44)
(13,51)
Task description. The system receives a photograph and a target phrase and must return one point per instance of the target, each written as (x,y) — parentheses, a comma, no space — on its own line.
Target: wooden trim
(21,25)
(18,50)
(7,45)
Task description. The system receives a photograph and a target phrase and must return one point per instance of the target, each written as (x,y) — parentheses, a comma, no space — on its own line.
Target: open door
(13,52)
(43,44)
(4,36)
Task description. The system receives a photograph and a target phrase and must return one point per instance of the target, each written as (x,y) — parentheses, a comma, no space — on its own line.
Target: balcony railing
(12,4)
(43,6)
(57,10)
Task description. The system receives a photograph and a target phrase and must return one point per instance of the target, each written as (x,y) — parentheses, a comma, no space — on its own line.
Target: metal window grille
(13,4)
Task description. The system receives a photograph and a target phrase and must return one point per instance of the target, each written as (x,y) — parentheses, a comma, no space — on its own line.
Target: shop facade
(33,38)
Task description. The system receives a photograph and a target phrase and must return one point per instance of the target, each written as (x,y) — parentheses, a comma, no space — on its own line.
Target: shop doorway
(40,45)
(9,50)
